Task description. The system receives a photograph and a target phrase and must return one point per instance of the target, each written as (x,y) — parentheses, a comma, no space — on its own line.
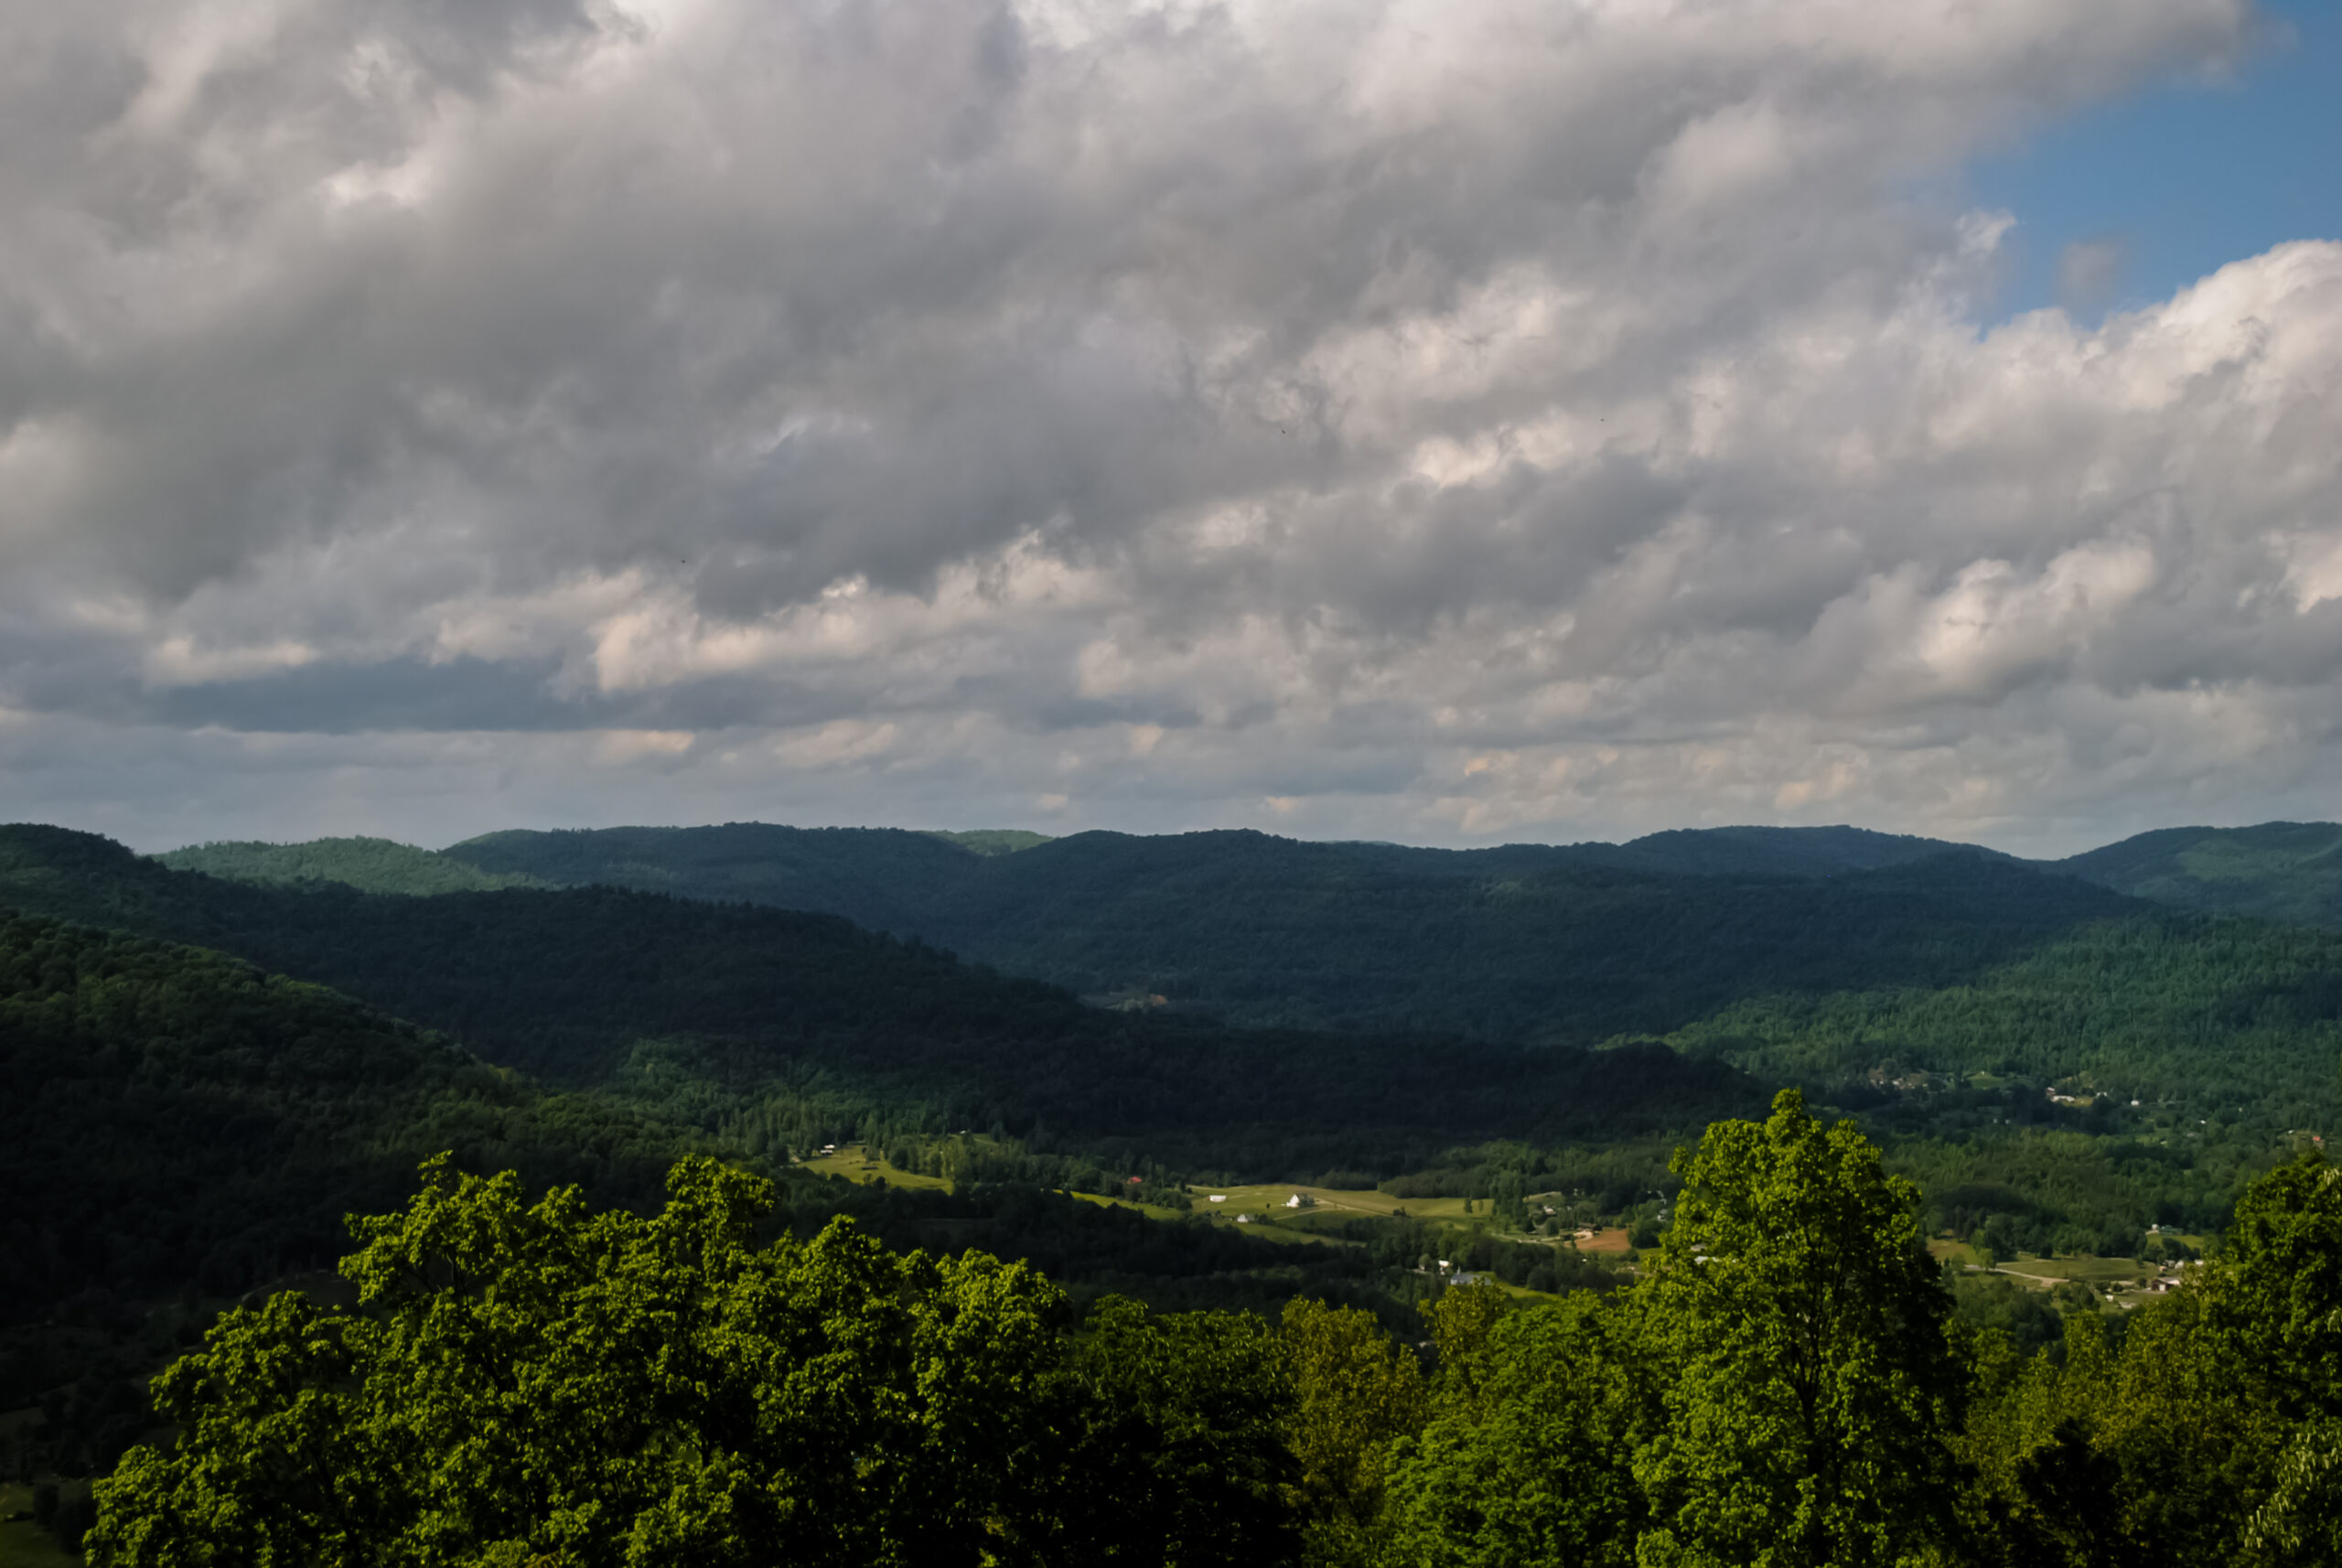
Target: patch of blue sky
(2127,203)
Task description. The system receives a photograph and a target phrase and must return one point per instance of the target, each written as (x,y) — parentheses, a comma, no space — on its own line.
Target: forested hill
(2278,871)
(602,985)
(1524,942)
(170,1116)
(377,866)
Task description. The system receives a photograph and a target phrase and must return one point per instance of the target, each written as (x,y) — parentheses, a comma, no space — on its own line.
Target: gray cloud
(1427,421)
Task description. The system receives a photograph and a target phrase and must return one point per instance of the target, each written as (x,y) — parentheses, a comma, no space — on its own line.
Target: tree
(1355,1392)
(1527,1463)
(1175,1456)
(543,1385)
(1810,1386)
(2273,1301)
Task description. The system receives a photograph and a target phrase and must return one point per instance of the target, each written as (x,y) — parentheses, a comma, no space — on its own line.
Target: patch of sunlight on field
(852,1163)
(1275,1198)
(2089,1271)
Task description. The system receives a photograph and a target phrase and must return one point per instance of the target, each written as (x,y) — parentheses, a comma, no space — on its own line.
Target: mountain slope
(170,1115)
(1522,943)
(2279,870)
(600,986)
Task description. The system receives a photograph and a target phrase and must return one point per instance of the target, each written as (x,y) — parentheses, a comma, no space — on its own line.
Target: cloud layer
(1428,421)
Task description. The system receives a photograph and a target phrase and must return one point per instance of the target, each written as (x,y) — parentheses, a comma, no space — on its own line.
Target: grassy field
(852,1163)
(22,1545)
(2099,1271)
(1336,1202)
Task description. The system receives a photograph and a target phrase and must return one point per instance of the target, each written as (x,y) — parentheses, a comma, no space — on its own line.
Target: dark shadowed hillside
(585,986)
(1524,942)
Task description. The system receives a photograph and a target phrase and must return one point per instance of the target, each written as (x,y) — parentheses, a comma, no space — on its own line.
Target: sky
(1450,423)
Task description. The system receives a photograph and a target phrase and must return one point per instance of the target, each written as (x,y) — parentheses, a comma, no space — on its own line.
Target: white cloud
(1402,419)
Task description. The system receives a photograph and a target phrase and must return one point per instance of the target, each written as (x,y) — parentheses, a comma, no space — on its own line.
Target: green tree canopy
(1809,1388)
(536,1385)
(1526,1462)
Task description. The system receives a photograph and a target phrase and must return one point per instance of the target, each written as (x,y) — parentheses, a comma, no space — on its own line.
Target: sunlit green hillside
(374,865)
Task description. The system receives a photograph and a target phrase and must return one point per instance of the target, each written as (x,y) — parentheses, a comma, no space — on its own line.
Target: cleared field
(21,1544)
(1276,1197)
(2099,1271)
(852,1164)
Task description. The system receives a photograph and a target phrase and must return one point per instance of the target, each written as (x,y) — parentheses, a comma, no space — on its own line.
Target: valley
(1363,1075)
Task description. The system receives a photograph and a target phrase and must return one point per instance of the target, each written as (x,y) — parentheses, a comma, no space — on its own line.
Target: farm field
(855,1165)
(22,1544)
(1339,1202)
(2099,1271)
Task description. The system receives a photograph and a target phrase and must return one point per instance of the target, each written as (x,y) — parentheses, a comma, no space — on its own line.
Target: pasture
(855,1165)
(22,1544)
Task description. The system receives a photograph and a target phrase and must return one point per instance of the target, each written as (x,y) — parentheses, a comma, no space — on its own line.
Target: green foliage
(755,1002)
(184,1118)
(1177,1457)
(1355,1394)
(545,1384)
(1810,1390)
(2136,1448)
(371,865)
(2276,1298)
(2275,1311)
(2279,870)
(2206,1014)
(1528,1461)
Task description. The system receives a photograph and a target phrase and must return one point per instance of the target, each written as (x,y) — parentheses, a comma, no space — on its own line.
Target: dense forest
(1524,943)
(601,986)
(201,1074)
(1979,1014)
(2278,871)
(1788,1383)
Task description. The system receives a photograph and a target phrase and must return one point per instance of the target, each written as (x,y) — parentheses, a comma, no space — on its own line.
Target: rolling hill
(601,986)
(1524,942)
(2278,871)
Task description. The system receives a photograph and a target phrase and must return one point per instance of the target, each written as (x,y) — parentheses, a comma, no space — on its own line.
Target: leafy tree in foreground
(1809,1388)
(1355,1392)
(2275,1311)
(542,1385)
(1175,1456)
(1527,1463)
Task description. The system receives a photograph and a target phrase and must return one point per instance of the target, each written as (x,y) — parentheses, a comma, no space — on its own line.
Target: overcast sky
(1444,422)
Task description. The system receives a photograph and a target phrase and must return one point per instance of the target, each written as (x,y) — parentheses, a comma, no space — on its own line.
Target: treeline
(1790,1384)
